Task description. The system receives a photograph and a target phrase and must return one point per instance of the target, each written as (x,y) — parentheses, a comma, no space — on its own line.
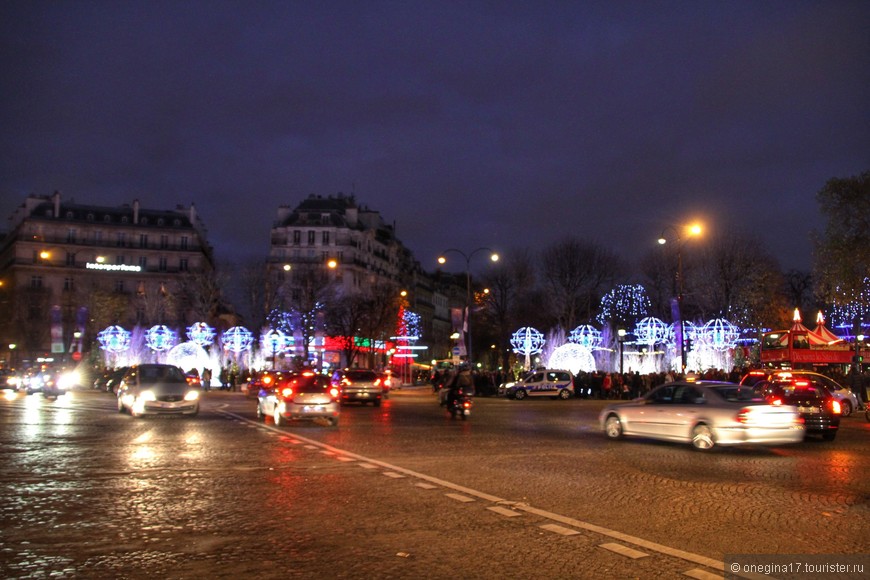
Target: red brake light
(377,382)
(801,383)
(836,407)
(308,374)
(776,402)
(267,379)
(743,415)
(334,392)
(288,392)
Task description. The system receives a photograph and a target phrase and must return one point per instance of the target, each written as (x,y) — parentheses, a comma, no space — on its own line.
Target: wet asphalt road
(524,489)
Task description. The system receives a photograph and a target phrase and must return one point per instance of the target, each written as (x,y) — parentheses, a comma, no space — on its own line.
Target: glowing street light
(466,325)
(679,236)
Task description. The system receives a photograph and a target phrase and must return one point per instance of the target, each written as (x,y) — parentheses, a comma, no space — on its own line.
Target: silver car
(157,389)
(705,414)
(363,385)
(299,396)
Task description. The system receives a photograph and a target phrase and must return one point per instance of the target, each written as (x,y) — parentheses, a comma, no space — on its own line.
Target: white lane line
(701,574)
(327,452)
(561,530)
(623,550)
(624,538)
(504,511)
(425,485)
(394,475)
(460,497)
(312,447)
(342,458)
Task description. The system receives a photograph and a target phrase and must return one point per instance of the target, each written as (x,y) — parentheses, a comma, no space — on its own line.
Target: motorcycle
(460,405)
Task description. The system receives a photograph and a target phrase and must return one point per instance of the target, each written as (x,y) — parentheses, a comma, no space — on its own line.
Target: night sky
(501,124)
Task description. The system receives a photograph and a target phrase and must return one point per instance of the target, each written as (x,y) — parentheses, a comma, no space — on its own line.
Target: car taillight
(801,384)
(776,402)
(288,392)
(267,380)
(334,392)
(377,382)
(743,415)
(836,407)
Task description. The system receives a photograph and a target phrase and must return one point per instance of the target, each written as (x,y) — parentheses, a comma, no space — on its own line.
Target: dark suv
(816,405)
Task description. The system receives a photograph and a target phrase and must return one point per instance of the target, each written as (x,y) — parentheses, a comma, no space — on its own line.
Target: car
(705,414)
(260,380)
(819,408)
(108,380)
(361,385)
(157,389)
(848,400)
(553,383)
(300,396)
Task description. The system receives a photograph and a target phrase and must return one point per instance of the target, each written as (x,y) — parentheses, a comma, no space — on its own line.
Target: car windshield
(161,374)
(310,384)
(362,376)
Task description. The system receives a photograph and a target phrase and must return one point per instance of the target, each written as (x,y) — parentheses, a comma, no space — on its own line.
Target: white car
(157,389)
(556,384)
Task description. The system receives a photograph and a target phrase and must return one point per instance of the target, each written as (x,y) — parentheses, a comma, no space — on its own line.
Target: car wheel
(702,437)
(564,394)
(829,435)
(846,408)
(519,394)
(120,406)
(613,427)
(279,420)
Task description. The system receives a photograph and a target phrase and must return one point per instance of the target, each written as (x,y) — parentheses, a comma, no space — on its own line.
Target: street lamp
(466,325)
(621,338)
(679,235)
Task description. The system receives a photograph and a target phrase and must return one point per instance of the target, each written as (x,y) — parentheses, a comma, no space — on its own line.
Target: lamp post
(466,325)
(620,336)
(678,233)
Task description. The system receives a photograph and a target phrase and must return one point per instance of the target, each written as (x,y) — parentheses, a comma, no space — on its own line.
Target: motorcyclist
(462,385)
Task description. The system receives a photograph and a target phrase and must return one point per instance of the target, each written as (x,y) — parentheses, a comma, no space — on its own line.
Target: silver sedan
(704,414)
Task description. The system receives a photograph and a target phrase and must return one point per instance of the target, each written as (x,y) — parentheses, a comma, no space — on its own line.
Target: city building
(68,270)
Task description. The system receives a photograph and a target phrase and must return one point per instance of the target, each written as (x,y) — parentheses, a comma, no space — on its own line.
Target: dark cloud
(499,124)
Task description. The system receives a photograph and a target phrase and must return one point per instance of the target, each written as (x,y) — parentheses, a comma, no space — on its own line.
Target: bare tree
(573,275)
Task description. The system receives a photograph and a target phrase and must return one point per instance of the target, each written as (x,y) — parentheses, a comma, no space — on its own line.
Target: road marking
(624,538)
(623,550)
(561,530)
(327,452)
(425,485)
(342,458)
(504,511)
(459,497)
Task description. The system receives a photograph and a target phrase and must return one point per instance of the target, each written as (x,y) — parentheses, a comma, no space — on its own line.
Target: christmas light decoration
(200,333)
(651,330)
(159,337)
(275,341)
(572,357)
(586,336)
(237,339)
(623,305)
(719,334)
(527,341)
(114,339)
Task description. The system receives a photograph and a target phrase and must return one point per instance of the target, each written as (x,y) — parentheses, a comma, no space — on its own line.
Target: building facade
(68,270)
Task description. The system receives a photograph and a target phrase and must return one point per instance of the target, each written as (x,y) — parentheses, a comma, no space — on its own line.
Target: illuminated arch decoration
(587,336)
(159,337)
(237,339)
(572,357)
(690,330)
(719,334)
(200,333)
(651,330)
(528,341)
(275,341)
(114,339)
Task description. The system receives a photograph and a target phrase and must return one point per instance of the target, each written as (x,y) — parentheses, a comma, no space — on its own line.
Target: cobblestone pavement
(525,489)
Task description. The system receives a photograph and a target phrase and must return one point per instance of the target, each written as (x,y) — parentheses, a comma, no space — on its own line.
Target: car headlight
(68,380)
(191,396)
(147,396)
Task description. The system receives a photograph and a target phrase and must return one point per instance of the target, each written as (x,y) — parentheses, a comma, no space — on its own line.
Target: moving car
(848,400)
(262,380)
(542,383)
(819,409)
(157,389)
(363,385)
(705,414)
(301,396)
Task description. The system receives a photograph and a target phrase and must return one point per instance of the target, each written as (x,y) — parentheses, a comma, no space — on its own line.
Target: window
(184,242)
(71,236)
(119,285)
(98,237)
(90,217)
(324,219)
(143,262)
(324,238)
(182,264)
(164,241)
(297,237)
(36,281)
(161,265)
(120,259)
(121,240)
(68,284)
(70,259)
(107,218)
(311,235)
(143,240)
